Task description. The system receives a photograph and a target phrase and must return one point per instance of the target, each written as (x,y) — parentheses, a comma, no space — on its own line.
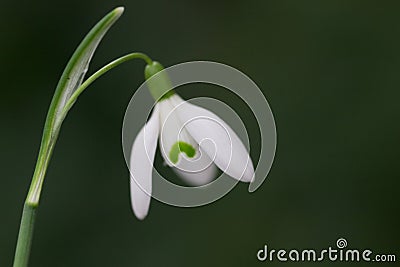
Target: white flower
(193,141)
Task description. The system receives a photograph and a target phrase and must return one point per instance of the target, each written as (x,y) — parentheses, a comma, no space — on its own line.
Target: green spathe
(70,81)
(158,81)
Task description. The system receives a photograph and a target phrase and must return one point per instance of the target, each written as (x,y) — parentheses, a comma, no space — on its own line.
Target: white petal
(141,165)
(231,154)
(172,131)
(197,169)
(196,172)
(198,178)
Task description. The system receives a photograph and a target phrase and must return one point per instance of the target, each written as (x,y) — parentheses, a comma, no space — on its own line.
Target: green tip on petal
(159,85)
(180,147)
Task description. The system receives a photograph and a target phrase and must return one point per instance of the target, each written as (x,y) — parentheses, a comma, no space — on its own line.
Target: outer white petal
(231,154)
(141,165)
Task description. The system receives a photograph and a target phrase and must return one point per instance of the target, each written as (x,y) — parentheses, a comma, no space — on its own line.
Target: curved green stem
(45,152)
(48,141)
(99,73)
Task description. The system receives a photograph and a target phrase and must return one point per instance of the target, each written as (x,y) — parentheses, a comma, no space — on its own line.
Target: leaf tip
(119,10)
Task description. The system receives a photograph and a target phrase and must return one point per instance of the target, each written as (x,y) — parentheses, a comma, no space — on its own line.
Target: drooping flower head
(193,141)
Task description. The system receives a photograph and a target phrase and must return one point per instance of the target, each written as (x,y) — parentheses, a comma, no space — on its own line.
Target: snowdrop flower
(193,141)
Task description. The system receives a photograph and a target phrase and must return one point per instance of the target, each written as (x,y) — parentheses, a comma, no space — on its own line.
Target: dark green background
(329,69)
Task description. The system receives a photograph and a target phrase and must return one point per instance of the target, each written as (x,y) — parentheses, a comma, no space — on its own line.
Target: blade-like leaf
(70,80)
(77,67)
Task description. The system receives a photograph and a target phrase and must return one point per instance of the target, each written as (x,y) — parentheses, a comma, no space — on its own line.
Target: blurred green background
(329,69)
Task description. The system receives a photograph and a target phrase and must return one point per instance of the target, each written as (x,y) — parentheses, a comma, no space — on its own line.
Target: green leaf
(70,80)
(77,67)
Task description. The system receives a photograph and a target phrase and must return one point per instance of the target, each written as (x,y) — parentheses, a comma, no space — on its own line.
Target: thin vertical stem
(25,236)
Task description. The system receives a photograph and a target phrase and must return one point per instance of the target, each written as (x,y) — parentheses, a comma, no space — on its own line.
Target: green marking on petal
(180,147)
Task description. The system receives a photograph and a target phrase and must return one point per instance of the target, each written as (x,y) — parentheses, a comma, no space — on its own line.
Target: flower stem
(46,148)
(25,236)
(102,71)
